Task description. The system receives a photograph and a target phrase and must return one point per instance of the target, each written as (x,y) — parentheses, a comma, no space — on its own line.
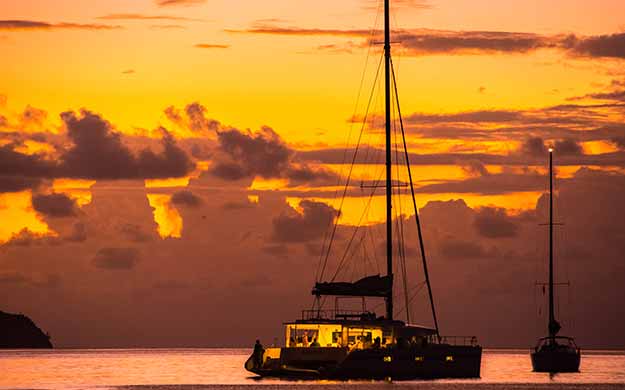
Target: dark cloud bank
(97,152)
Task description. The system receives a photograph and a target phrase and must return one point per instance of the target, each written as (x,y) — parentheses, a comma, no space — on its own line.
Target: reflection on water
(75,369)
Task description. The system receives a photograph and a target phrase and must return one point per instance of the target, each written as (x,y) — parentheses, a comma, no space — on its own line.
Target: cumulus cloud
(460,249)
(78,234)
(18,183)
(568,147)
(246,155)
(54,205)
(309,225)
(98,153)
(116,259)
(193,118)
(186,198)
(492,222)
(135,233)
(95,151)
(534,146)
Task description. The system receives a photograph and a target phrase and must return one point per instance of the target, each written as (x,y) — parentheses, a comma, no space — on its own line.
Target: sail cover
(371,286)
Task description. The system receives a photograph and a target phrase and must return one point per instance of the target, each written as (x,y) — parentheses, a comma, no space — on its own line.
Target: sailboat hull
(553,361)
(434,361)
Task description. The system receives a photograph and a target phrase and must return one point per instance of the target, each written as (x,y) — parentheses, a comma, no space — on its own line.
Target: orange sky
(131,71)
(217,201)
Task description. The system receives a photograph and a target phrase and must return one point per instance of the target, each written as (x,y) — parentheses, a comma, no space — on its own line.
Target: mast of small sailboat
(389,194)
(552,320)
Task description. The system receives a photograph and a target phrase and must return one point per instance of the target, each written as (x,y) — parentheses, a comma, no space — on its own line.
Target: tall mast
(389,194)
(552,323)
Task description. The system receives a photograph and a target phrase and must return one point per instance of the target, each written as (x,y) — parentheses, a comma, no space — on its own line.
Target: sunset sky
(169,168)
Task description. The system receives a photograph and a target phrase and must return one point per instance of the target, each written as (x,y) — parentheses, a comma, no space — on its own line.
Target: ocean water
(189,369)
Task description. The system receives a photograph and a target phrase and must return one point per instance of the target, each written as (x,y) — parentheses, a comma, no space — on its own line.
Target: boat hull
(434,361)
(554,361)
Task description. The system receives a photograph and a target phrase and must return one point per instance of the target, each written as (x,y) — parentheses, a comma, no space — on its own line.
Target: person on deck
(258,354)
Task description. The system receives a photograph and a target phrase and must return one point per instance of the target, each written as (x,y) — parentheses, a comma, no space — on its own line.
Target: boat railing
(459,340)
(337,315)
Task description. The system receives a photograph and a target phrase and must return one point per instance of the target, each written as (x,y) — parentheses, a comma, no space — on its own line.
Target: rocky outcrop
(19,332)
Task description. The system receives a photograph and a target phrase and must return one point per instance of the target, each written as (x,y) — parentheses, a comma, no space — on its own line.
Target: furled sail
(370,286)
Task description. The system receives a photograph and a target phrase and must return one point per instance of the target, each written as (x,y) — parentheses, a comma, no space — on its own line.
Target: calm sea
(188,369)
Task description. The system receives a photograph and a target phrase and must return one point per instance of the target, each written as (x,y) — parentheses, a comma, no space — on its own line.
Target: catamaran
(554,353)
(347,344)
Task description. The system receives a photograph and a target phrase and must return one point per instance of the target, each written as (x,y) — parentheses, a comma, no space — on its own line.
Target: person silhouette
(258,354)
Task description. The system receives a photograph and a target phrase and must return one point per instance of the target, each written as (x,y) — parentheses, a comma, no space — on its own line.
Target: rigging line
(358,95)
(416,210)
(348,179)
(355,231)
(374,251)
(353,253)
(418,289)
(398,217)
(366,210)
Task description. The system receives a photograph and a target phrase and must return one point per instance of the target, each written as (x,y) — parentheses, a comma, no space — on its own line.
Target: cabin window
(418,359)
(449,359)
(313,335)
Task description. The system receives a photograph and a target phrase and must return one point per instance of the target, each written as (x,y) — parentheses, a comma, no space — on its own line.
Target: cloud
(469,42)
(193,117)
(534,146)
(38,25)
(568,147)
(296,31)
(134,233)
(27,238)
(116,259)
(600,46)
(17,183)
(460,249)
(174,3)
(419,42)
(309,225)
(98,153)
(211,46)
(475,168)
(242,155)
(281,251)
(54,205)
(492,222)
(500,183)
(616,95)
(145,17)
(186,198)
(90,149)
(15,278)
(78,234)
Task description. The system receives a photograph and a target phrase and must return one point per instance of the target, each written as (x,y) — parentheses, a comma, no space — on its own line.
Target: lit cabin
(354,333)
